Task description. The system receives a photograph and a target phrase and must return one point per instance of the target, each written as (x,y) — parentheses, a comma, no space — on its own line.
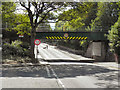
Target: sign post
(37,42)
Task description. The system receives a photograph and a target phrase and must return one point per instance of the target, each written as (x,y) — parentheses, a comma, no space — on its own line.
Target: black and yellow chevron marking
(65,38)
(85,38)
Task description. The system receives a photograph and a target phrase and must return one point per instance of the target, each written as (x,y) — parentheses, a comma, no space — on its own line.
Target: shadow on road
(80,70)
(61,70)
(101,73)
(85,60)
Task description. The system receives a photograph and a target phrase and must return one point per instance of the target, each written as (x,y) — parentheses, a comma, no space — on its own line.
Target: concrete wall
(101,49)
(89,51)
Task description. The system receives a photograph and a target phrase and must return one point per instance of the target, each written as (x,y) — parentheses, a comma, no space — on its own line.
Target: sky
(52,25)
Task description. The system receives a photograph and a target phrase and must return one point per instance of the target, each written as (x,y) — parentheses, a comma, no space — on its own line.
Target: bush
(16,43)
(15,49)
(25,45)
(84,45)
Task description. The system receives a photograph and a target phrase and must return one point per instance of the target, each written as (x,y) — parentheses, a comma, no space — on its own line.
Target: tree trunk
(33,46)
(116,58)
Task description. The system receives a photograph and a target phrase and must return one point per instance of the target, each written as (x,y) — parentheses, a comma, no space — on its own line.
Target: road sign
(37,42)
(21,35)
(66,35)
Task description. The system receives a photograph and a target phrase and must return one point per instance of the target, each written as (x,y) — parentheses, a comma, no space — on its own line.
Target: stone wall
(89,51)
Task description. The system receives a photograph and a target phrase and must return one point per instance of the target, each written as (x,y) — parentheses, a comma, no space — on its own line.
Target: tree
(8,18)
(96,17)
(79,16)
(114,38)
(107,14)
(14,23)
(38,15)
(22,23)
(8,15)
(76,19)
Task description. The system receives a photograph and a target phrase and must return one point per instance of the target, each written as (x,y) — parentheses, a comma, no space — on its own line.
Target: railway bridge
(96,49)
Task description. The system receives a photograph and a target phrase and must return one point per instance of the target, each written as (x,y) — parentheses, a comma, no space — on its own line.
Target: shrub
(84,45)
(16,48)
(25,45)
(16,43)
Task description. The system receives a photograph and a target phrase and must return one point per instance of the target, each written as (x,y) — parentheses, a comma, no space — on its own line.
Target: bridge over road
(95,50)
(72,35)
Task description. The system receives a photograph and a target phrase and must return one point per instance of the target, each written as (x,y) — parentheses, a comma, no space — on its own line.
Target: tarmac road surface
(60,75)
(54,54)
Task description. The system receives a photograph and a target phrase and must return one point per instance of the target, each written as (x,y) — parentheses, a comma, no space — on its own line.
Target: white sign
(21,35)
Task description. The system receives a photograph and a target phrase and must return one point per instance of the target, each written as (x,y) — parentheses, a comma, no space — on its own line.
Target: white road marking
(58,80)
(48,71)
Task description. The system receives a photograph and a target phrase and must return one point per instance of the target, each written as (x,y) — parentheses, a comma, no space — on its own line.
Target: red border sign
(66,35)
(38,42)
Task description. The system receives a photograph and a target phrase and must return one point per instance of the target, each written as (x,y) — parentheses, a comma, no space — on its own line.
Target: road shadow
(80,70)
(62,71)
(87,60)
(108,78)
(29,71)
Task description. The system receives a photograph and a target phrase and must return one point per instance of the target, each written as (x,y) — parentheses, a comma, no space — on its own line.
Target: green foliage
(25,45)
(84,44)
(63,26)
(23,24)
(90,16)
(15,49)
(16,43)
(13,21)
(76,18)
(106,16)
(8,15)
(114,37)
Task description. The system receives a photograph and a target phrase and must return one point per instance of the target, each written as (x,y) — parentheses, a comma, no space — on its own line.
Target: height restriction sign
(37,42)
(66,35)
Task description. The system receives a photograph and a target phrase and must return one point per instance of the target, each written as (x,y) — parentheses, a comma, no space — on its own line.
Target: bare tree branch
(29,11)
(42,9)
